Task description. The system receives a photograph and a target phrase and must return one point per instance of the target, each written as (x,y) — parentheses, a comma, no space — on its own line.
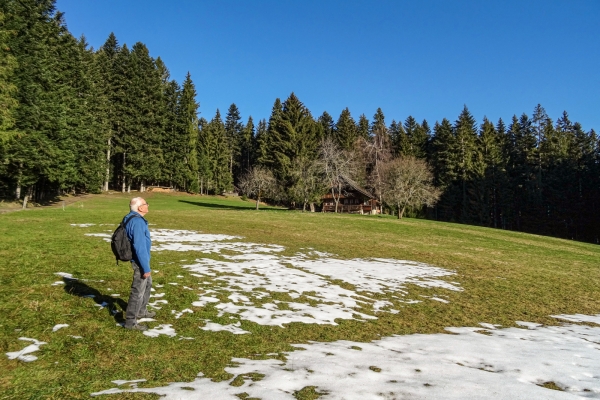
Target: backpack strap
(126,221)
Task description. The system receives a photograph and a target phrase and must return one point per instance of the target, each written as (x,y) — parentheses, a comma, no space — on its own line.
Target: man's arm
(140,244)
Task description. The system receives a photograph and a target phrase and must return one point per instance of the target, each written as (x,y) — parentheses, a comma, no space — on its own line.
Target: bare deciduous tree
(377,151)
(408,182)
(308,182)
(258,182)
(335,163)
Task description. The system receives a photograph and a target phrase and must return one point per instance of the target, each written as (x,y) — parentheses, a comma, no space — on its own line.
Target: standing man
(139,236)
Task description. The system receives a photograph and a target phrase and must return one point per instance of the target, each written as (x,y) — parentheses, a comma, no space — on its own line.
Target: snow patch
(25,354)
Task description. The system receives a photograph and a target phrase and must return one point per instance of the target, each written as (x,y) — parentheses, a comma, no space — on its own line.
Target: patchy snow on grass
(163,329)
(25,354)
(59,326)
(249,274)
(253,282)
(511,363)
(233,328)
(595,319)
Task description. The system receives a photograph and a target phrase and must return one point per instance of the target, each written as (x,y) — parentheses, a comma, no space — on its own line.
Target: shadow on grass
(230,207)
(75,287)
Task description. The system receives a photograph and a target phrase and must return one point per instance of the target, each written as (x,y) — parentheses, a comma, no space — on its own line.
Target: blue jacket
(139,235)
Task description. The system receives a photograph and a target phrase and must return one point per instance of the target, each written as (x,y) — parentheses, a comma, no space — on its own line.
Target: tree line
(78,119)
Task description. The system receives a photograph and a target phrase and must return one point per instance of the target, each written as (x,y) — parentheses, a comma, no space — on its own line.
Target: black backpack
(119,242)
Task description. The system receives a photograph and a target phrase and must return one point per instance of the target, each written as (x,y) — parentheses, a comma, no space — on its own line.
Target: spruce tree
(233,129)
(295,135)
(362,128)
(344,131)
(465,132)
(188,123)
(263,154)
(327,124)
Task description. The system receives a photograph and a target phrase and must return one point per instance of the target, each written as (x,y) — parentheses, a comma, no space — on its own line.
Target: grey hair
(135,203)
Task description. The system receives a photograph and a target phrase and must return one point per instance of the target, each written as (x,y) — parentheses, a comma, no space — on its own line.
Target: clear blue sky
(421,58)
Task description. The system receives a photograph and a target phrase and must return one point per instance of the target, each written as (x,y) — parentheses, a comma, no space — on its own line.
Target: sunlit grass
(506,277)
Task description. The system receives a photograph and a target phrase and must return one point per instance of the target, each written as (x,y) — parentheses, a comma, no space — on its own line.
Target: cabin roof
(356,186)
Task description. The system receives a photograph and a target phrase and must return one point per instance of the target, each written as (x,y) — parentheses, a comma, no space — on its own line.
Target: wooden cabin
(353,199)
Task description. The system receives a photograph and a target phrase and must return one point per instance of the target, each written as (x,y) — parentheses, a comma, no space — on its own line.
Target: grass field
(504,277)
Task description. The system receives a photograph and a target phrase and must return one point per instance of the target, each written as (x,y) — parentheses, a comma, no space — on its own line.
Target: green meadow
(505,277)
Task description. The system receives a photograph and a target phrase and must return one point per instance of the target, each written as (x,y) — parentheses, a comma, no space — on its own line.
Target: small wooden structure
(352,199)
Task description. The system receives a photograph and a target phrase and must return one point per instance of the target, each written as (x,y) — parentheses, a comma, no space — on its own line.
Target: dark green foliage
(216,152)
(234,130)
(345,132)
(77,120)
(362,128)
(294,135)
(327,124)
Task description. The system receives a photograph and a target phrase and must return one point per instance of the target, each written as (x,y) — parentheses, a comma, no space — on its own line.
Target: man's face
(143,208)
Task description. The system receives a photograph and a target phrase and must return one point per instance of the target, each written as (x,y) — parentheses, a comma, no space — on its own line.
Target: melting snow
(24,355)
(59,326)
(505,363)
(501,363)
(233,328)
(164,329)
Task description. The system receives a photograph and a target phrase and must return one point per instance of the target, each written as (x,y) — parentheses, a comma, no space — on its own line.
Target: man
(139,236)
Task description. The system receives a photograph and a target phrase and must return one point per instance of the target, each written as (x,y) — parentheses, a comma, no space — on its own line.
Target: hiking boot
(137,327)
(147,314)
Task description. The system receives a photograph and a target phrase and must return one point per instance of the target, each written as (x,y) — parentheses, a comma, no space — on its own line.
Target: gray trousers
(139,296)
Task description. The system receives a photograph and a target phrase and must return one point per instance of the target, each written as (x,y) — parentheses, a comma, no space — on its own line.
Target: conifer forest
(74,119)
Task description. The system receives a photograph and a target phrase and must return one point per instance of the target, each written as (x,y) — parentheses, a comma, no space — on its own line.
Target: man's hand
(147,274)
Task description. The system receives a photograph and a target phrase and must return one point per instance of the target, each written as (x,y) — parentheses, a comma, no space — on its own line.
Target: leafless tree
(308,182)
(377,151)
(408,182)
(258,182)
(335,163)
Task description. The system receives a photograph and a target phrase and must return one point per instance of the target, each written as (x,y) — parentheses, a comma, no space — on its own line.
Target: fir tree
(362,128)
(345,132)
(233,129)
(188,122)
(295,135)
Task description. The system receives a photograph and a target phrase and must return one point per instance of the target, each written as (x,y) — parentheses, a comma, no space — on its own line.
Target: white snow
(580,318)
(472,362)
(24,354)
(163,329)
(503,364)
(233,328)
(59,326)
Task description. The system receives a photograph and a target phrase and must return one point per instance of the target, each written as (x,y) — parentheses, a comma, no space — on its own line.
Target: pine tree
(345,132)
(465,132)
(8,102)
(233,129)
(362,128)
(263,154)
(218,154)
(247,146)
(295,135)
(188,123)
(327,124)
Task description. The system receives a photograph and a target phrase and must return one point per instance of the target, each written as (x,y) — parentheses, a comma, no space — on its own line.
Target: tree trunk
(257,201)
(143,186)
(400,211)
(107,177)
(18,189)
(312,207)
(27,196)
(123,183)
